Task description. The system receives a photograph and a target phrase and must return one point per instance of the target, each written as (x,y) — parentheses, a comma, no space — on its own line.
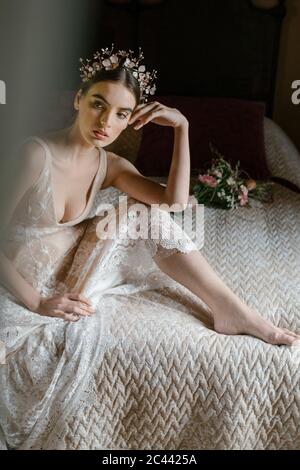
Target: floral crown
(109,60)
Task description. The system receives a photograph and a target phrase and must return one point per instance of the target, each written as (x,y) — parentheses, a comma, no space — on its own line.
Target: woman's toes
(291,333)
(284,338)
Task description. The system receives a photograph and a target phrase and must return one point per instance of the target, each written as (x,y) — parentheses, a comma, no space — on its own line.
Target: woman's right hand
(69,306)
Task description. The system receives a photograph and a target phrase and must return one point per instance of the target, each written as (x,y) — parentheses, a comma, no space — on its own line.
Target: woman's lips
(99,135)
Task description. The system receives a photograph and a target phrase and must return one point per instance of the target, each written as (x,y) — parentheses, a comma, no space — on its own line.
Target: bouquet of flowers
(224,187)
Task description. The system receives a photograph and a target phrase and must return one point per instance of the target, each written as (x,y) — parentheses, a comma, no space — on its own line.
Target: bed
(168,381)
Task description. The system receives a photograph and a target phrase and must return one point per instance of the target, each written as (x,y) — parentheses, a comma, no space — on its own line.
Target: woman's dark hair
(118,74)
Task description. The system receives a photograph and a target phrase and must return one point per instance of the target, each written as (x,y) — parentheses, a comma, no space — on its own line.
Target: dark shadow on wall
(40,45)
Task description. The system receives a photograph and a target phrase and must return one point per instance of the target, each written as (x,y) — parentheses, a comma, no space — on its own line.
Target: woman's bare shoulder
(31,160)
(56,142)
(113,168)
(31,156)
(53,137)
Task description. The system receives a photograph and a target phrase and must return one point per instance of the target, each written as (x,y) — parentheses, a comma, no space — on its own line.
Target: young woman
(55,270)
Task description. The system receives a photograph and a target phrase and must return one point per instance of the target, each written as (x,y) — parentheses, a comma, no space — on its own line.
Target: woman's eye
(100,105)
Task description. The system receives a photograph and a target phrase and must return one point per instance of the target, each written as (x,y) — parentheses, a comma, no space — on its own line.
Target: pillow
(235,127)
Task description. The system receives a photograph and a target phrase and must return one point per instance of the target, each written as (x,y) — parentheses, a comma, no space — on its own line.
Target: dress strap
(42,143)
(103,169)
(45,171)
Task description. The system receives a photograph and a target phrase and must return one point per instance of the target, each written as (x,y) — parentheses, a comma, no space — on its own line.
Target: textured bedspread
(168,381)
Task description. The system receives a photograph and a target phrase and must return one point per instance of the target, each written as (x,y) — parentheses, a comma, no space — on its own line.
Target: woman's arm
(178,183)
(12,280)
(127,178)
(69,306)
(30,164)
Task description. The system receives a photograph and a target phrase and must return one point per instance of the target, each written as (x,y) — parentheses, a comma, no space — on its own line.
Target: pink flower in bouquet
(243,200)
(243,196)
(208,180)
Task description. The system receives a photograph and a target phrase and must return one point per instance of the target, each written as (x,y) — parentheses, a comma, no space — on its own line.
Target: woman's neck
(74,141)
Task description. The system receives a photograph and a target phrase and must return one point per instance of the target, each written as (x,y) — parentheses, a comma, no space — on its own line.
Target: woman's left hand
(158,114)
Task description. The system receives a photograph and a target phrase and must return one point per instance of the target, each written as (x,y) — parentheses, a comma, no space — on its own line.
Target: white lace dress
(49,363)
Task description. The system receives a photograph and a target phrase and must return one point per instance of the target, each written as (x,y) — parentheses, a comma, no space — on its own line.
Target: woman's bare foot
(231,316)
(238,318)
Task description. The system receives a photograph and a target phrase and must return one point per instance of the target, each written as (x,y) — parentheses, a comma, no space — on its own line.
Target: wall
(286,114)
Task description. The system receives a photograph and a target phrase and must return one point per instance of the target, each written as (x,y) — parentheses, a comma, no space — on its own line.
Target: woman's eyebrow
(97,95)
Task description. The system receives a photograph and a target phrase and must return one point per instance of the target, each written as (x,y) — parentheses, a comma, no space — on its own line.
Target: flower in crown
(109,61)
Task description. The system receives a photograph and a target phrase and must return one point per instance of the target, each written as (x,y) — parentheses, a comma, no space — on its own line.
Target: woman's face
(108,106)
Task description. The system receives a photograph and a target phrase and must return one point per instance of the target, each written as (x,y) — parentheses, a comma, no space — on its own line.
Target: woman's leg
(230,314)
